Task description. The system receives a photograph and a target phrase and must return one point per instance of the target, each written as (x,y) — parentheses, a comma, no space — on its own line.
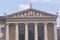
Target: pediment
(31,13)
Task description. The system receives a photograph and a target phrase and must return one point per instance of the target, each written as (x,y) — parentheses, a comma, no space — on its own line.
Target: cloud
(23,7)
(46,1)
(50,1)
(59,13)
(34,0)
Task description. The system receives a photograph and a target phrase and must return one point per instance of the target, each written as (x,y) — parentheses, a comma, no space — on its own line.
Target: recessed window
(21,32)
(2,39)
(2,30)
(40,32)
(31,32)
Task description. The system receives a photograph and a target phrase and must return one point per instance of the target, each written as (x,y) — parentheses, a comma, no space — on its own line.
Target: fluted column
(55,31)
(17,33)
(36,32)
(26,31)
(7,32)
(45,32)
(0,33)
(0,29)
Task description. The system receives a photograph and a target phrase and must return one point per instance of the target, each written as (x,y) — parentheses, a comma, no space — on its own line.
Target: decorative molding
(55,23)
(30,13)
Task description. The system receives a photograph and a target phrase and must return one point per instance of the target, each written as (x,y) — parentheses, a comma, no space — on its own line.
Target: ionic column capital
(7,24)
(16,23)
(36,23)
(26,23)
(55,23)
(45,23)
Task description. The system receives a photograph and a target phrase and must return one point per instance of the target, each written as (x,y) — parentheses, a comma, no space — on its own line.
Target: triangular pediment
(31,12)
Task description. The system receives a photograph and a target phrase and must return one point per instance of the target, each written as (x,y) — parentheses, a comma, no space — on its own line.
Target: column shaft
(7,32)
(55,32)
(36,32)
(0,29)
(26,31)
(45,32)
(17,33)
(0,33)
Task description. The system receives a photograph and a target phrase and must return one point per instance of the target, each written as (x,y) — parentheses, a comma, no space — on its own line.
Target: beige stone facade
(34,16)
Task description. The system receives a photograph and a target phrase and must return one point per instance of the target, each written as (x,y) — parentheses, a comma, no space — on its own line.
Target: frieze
(31,13)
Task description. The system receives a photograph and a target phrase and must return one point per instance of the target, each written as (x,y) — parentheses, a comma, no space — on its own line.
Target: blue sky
(11,6)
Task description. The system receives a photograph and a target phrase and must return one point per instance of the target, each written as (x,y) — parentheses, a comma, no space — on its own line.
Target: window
(31,32)
(2,39)
(40,32)
(21,32)
(2,30)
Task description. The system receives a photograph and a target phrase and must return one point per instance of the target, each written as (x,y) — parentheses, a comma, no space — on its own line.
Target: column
(26,31)
(0,29)
(0,33)
(7,32)
(55,31)
(45,32)
(36,32)
(17,32)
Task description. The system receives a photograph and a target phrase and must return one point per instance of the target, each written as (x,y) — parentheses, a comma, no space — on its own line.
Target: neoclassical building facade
(29,24)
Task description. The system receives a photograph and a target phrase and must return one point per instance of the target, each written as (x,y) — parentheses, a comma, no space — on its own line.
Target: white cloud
(59,13)
(23,7)
(46,1)
(50,1)
(34,0)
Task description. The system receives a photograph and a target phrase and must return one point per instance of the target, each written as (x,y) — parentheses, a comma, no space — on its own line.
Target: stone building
(29,24)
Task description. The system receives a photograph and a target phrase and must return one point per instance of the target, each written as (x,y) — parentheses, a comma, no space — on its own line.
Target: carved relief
(33,13)
(25,14)
(22,14)
(30,13)
(17,15)
(37,14)
(13,16)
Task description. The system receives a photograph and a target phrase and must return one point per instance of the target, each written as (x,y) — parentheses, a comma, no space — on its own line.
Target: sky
(12,6)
